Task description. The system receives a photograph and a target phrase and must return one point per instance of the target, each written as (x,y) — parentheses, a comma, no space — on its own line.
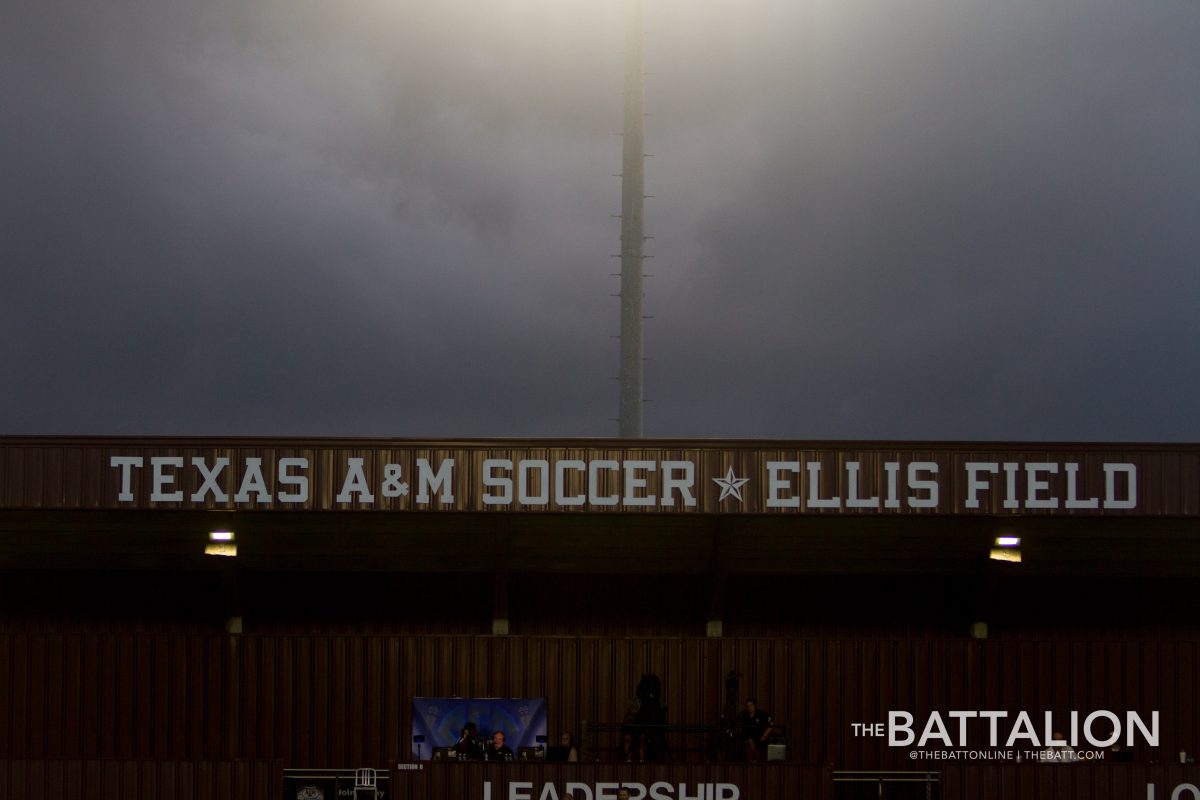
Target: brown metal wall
(316,701)
(795,782)
(1016,609)
(465,781)
(1065,782)
(754,606)
(115,779)
(106,696)
(609,605)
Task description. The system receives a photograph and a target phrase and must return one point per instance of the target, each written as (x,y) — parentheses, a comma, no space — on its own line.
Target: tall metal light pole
(632,233)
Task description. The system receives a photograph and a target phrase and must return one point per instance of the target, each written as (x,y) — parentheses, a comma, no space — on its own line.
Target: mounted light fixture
(1009,554)
(1007,548)
(221,543)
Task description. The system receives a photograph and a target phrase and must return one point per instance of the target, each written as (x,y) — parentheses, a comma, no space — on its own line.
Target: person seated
(756,728)
(567,741)
(1059,754)
(497,750)
(1120,755)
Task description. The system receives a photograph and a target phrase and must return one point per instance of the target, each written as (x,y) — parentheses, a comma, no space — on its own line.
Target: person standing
(467,746)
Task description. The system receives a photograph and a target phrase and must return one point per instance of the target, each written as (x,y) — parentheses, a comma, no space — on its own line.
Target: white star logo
(730,485)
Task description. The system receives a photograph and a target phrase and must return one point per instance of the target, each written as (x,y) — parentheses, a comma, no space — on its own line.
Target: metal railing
(894,784)
(718,741)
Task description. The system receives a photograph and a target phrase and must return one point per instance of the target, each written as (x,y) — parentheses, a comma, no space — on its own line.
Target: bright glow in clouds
(936,219)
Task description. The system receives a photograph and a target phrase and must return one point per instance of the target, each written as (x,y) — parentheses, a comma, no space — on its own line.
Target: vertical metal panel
(110,778)
(299,673)
(168,780)
(478,666)
(250,703)
(20,698)
(272,705)
(39,689)
(550,678)
(204,780)
(271,695)
(357,699)
(1185,689)
(862,697)
(283,688)
(374,713)
(35,779)
(525,666)
(223,778)
(10,722)
(215,649)
(399,681)
(339,700)
(142,687)
(323,699)
(74,672)
(1153,688)
(73,784)
(90,697)
(125,690)
(573,708)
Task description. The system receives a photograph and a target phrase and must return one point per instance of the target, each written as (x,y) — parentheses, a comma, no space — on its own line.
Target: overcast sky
(929,219)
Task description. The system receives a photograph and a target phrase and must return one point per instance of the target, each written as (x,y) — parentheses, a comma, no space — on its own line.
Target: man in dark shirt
(497,750)
(756,727)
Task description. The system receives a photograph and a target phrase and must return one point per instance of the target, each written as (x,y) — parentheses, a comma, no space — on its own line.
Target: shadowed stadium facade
(842,581)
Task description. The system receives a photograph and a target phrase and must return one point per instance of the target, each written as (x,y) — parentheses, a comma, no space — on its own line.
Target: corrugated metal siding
(916,608)
(465,781)
(609,605)
(1065,782)
(97,779)
(317,701)
(99,696)
(116,779)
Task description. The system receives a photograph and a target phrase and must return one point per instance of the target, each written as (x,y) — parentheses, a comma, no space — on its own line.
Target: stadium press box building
(257,618)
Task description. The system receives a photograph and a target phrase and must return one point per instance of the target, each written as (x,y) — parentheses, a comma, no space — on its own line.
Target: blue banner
(441,719)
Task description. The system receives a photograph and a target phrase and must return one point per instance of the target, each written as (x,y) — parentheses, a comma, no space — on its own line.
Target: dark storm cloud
(932,219)
(941,220)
